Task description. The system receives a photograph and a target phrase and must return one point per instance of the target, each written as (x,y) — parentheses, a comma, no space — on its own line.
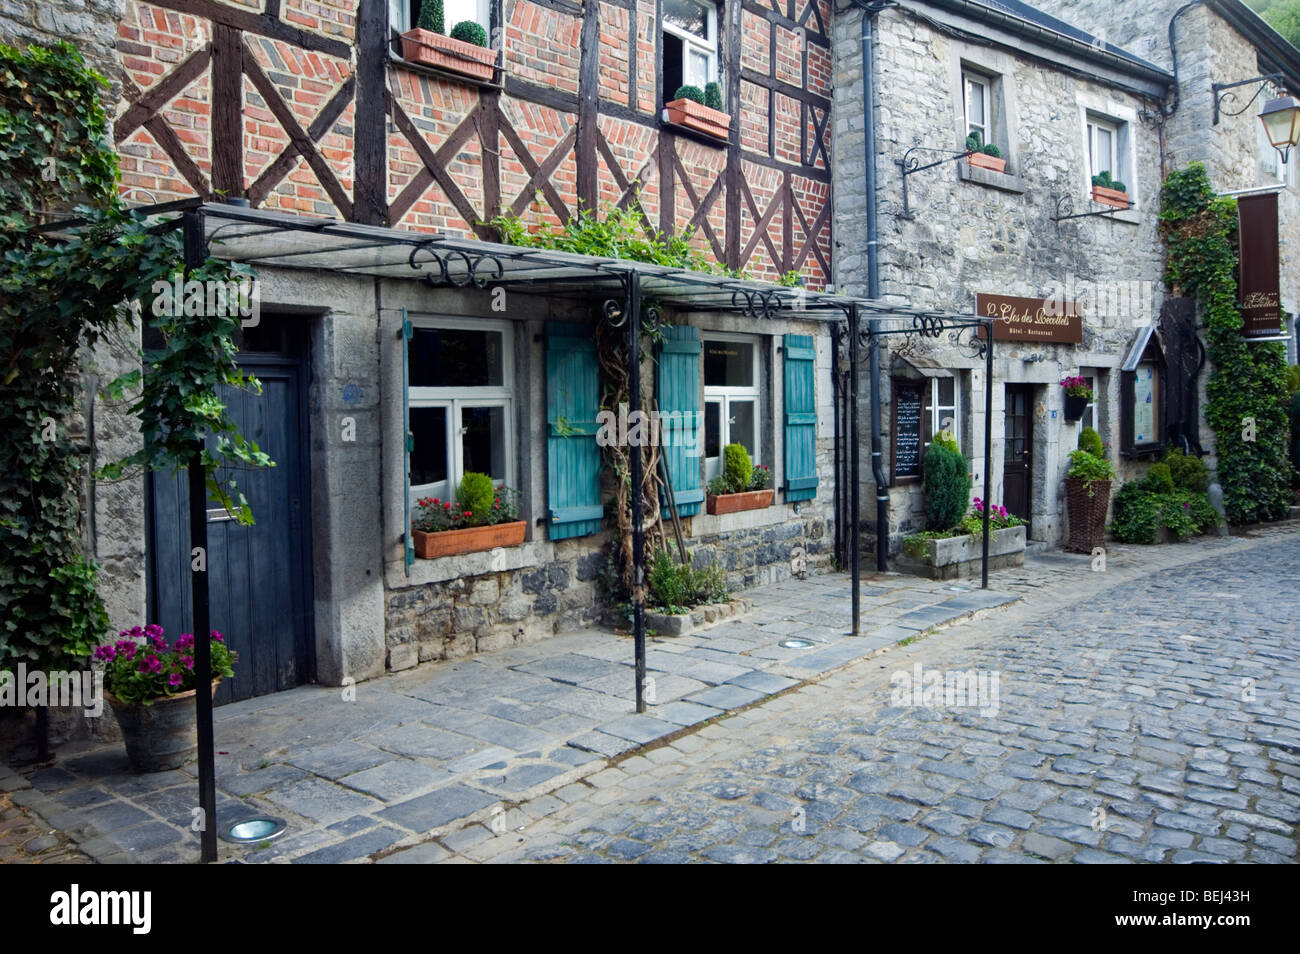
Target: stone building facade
(968,231)
(309,113)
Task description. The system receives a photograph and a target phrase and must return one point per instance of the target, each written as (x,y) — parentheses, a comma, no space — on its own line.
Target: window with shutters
(461,415)
(732,409)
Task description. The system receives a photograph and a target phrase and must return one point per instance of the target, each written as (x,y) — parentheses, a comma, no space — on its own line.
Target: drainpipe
(869,11)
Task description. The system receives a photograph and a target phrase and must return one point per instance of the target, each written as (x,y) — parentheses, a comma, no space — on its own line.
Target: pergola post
(195,254)
(988,447)
(855,555)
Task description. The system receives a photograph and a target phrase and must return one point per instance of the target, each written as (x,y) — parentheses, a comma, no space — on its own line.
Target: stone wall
(90,24)
(971,232)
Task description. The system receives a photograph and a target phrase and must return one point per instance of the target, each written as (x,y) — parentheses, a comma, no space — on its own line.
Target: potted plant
(958,551)
(465,51)
(482,517)
(741,485)
(985,156)
(1077,397)
(1108,191)
(699,109)
(150,686)
(1087,498)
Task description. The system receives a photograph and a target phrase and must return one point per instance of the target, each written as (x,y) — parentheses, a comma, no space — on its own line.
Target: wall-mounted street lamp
(1281,119)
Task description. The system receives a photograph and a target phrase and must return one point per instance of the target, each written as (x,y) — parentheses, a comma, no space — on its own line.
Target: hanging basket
(1074,408)
(1087,512)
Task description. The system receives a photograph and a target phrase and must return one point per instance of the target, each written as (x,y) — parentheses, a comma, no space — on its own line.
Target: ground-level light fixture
(248,831)
(1281,119)
(795,644)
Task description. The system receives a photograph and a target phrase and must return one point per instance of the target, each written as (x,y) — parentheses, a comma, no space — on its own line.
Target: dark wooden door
(259,576)
(1018,445)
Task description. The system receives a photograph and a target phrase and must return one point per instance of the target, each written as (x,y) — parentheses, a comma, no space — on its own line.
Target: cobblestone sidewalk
(442,761)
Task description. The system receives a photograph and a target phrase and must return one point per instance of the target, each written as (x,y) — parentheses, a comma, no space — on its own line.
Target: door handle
(219,515)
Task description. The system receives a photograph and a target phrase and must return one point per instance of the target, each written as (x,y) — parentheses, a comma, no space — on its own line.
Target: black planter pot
(1074,408)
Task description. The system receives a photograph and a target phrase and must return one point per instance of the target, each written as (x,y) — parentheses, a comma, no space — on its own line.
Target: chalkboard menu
(909,440)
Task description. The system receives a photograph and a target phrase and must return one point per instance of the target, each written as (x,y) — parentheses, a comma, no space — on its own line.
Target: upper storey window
(690,44)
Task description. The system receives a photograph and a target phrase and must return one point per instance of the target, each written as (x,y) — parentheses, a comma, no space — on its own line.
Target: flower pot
(445,53)
(1087,513)
(1103,196)
(467,540)
(985,161)
(160,736)
(1074,408)
(734,503)
(693,115)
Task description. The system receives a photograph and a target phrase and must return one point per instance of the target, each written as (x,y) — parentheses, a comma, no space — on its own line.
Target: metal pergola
(621,287)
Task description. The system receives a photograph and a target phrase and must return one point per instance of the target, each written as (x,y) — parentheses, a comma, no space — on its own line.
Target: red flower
(446,506)
(468,513)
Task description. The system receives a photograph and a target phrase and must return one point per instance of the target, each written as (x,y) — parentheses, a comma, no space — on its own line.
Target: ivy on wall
(60,293)
(1247,383)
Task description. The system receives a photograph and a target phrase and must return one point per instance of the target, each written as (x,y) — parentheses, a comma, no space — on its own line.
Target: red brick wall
(543,60)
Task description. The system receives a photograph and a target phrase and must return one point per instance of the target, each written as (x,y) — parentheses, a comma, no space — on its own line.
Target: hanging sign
(1261,303)
(1048,320)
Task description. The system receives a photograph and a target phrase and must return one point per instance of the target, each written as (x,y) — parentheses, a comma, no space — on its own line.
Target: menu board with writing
(909,441)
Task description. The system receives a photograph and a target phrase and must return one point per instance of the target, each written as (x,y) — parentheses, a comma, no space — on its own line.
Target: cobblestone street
(1155,720)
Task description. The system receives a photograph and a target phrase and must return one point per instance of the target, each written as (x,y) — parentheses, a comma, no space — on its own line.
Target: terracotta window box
(442,52)
(1113,197)
(692,115)
(429,546)
(734,503)
(985,161)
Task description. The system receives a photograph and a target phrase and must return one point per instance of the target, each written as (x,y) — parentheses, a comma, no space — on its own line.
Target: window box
(692,115)
(443,52)
(428,546)
(1113,197)
(985,161)
(735,503)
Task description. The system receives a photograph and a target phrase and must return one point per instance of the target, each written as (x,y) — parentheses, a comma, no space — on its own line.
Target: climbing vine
(63,290)
(1247,383)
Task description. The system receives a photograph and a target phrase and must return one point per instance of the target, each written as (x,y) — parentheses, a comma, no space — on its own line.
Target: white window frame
(971,78)
(690,42)
(1095,124)
(456,399)
(725,395)
(938,411)
(400,20)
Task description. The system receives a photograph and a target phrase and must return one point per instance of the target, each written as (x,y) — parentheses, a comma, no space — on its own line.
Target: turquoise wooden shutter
(678,392)
(800,418)
(573,457)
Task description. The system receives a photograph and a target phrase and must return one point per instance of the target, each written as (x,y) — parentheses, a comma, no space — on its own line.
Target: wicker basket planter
(1087,513)
(1103,196)
(428,546)
(445,53)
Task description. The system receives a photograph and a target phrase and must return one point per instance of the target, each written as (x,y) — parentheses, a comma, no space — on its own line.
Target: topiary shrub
(470,32)
(946,483)
(737,468)
(1158,480)
(713,96)
(974,142)
(992,151)
(431,16)
(693,93)
(1090,441)
(476,494)
(1293,378)
(1188,473)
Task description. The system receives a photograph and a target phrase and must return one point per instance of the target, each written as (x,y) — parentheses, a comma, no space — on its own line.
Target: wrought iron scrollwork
(613,312)
(974,345)
(457,267)
(757,303)
(928,326)
(1064,206)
